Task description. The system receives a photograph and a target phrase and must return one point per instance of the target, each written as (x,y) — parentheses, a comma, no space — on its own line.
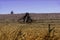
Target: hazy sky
(32,6)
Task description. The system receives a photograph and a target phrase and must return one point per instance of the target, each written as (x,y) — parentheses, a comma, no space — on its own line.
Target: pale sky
(31,6)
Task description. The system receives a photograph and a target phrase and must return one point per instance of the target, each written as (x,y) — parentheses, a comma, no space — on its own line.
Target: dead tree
(26,18)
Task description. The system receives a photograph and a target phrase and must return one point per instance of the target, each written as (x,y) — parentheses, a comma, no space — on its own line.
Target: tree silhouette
(26,18)
(12,12)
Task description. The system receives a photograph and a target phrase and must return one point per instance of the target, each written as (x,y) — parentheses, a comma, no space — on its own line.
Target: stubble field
(33,31)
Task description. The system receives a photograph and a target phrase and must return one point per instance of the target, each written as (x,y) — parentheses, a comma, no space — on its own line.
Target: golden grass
(34,31)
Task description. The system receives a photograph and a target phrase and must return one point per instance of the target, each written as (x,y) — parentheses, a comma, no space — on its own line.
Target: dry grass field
(33,31)
(10,29)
